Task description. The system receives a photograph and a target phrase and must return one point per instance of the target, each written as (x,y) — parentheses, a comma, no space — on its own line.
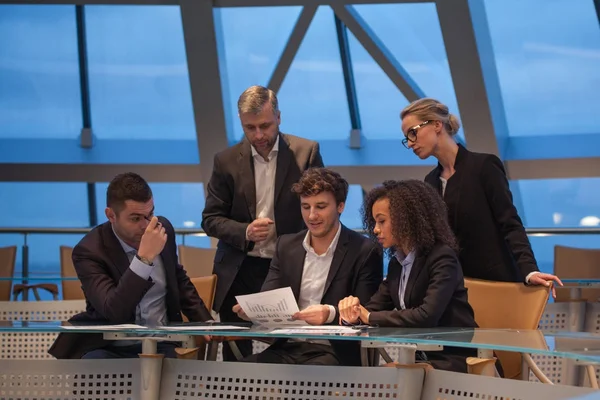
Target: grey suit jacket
(231,201)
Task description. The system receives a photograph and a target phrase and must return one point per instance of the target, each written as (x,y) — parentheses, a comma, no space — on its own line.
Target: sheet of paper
(103,327)
(312,330)
(272,308)
(204,328)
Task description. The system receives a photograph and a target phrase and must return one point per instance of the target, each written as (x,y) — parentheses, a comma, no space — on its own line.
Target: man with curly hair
(322,265)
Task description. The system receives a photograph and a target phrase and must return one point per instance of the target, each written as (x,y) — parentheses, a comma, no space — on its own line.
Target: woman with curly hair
(424,287)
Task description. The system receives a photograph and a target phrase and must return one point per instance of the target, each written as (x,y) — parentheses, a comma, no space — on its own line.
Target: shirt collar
(405,260)
(126,248)
(332,245)
(275,149)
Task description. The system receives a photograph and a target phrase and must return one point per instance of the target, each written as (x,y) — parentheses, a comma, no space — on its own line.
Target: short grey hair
(254,99)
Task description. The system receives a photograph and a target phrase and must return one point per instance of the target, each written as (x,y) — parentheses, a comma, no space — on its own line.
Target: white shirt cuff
(530,275)
(331,314)
(141,269)
(247,237)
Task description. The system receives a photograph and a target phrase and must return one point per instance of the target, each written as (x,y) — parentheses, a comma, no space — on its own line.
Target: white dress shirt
(314,274)
(264,181)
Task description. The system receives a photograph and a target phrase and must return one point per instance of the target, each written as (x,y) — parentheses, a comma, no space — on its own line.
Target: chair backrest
(197,261)
(507,305)
(71,290)
(8,255)
(574,263)
(206,287)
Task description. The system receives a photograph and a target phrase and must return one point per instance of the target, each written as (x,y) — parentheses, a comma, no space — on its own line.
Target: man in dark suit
(322,265)
(249,202)
(129,273)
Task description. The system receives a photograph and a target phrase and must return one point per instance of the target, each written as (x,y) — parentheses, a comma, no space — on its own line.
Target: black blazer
(492,239)
(113,291)
(356,270)
(435,296)
(231,201)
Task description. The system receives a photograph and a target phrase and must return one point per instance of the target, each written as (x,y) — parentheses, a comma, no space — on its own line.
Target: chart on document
(272,308)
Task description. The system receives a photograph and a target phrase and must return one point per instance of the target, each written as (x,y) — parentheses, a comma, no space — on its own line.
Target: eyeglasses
(411,134)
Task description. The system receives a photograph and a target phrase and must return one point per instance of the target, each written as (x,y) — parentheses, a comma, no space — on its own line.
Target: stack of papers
(204,328)
(317,330)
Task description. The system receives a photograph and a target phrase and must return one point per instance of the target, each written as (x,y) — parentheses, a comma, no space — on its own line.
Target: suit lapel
(246,168)
(416,270)
(296,266)
(114,249)
(284,158)
(394,273)
(338,258)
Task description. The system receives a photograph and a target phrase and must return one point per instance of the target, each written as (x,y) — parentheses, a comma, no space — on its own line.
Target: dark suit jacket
(356,270)
(113,291)
(231,201)
(435,296)
(493,243)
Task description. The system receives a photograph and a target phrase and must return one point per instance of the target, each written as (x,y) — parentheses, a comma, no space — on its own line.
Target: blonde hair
(254,99)
(431,109)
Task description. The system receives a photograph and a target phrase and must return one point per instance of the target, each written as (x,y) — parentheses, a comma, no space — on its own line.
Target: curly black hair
(418,214)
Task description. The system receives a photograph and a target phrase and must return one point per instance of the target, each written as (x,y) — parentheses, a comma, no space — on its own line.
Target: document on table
(272,308)
(103,327)
(313,330)
(204,328)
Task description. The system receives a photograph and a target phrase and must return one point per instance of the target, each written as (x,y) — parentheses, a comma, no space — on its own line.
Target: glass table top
(575,345)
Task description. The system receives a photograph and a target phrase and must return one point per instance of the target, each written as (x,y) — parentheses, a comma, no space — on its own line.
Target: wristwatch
(144,260)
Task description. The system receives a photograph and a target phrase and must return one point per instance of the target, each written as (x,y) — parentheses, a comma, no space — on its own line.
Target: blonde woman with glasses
(493,244)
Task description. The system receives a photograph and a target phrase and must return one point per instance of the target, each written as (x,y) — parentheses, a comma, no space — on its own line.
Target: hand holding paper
(272,308)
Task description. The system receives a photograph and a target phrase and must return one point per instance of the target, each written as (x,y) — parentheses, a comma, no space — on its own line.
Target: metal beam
(216,3)
(211,111)
(355,174)
(342,36)
(86,112)
(473,69)
(97,172)
(375,47)
(291,47)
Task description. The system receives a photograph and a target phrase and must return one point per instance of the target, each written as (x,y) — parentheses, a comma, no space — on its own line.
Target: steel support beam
(473,69)
(351,96)
(375,47)
(211,111)
(291,47)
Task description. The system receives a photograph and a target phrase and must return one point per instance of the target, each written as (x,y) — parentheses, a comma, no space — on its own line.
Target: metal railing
(199,232)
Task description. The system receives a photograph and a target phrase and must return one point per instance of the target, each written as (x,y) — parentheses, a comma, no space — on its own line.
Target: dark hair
(418,214)
(316,180)
(127,186)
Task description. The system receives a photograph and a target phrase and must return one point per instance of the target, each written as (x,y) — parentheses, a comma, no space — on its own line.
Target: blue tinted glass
(417,44)
(547,56)
(39,75)
(44,204)
(139,85)
(313,96)
(351,216)
(250,49)
(558,202)
(180,203)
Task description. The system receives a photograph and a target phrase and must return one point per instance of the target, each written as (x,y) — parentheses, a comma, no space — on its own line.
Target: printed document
(272,308)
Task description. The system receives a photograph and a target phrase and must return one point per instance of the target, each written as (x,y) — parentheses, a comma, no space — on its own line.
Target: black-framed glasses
(411,134)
